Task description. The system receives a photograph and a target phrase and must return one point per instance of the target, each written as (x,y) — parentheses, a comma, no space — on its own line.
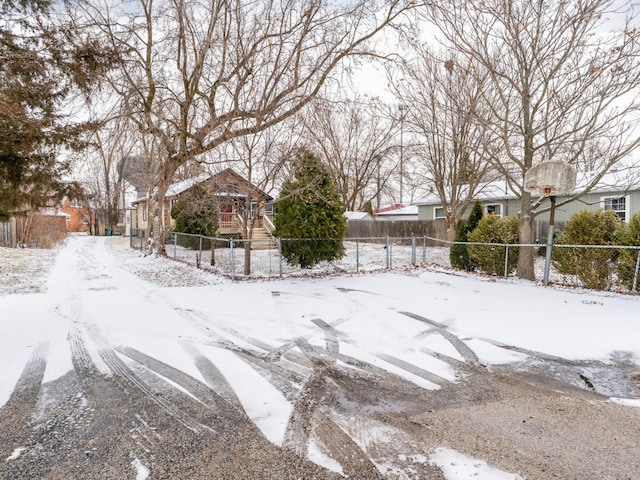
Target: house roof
(408,210)
(182,186)
(619,180)
(496,190)
(357,215)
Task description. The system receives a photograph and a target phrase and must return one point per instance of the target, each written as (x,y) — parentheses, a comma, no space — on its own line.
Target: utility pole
(401,108)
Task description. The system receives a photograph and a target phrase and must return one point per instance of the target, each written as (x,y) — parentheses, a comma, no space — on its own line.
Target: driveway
(121,369)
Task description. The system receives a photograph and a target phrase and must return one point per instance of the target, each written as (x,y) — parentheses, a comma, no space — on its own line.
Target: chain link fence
(263,258)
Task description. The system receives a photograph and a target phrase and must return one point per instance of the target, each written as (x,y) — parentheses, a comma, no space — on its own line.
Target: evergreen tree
(43,63)
(458,254)
(195,213)
(310,212)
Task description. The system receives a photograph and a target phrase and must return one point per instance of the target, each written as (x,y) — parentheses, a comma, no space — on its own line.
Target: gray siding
(591,201)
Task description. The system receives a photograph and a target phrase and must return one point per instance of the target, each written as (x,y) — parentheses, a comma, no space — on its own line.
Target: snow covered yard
(312,363)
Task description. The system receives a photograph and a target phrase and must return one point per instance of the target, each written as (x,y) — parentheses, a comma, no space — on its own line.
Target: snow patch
(629,402)
(142,472)
(16,453)
(457,466)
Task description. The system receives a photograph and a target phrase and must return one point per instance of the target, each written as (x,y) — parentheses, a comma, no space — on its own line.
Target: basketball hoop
(550,178)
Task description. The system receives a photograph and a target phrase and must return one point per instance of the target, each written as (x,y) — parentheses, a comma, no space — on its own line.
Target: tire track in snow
(213,376)
(200,391)
(299,426)
(21,405)
(342,448)
(283,373)
(462,348)
(119,368)
(307,417)
(417,371)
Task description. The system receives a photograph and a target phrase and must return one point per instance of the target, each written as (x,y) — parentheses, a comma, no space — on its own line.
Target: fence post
(506,260)
(175,244)
(279,240)
(388,250)
(424,249)
(413,250)
(233,260)
(200,249)
(358,257)
(635,276)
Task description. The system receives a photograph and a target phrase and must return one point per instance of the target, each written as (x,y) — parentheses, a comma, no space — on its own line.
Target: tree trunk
(452,229)
(247,232)
(155,229)
(525,268)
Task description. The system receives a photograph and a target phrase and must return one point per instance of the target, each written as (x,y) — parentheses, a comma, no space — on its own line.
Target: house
(231,191)
(618,190)
(351,215)
(398,212)
(77,213)
(495,198)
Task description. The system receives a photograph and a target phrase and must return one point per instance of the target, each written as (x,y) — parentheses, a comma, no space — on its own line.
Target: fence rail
(240,259)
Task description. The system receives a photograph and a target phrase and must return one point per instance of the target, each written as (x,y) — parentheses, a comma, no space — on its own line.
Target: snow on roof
(183,185)
(357,215)
(408,210)
(623,179)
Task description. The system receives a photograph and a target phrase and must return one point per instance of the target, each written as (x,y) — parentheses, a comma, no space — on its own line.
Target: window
(617,204)
(144,213)
(268,208)
(75,203)
(493,209)
(438,212)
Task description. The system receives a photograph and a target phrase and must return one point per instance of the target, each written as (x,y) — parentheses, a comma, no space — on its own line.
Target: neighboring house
(230,190)
(398,212)
(77,214)
(129,195)
(617,190)
(350,215)
(495,198)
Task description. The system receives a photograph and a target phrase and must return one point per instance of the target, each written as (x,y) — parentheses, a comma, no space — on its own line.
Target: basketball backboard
(550,178)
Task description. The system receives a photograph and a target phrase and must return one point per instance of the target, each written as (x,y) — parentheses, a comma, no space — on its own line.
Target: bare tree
(198,75)
(104,168)
(445,97)
(559,86)
(260,158)
(355,138)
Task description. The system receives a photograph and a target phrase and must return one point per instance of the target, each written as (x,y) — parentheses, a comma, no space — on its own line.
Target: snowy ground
(268,343)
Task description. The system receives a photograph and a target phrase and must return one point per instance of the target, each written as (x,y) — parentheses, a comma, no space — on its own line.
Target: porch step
(261,240)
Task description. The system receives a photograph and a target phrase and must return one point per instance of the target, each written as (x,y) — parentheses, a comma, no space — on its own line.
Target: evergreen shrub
(629,234)
(195,213)
(458,253)
(309,214)
(592,266)
(491,258)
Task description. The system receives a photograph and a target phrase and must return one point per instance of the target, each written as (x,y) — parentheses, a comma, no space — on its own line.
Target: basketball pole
(547,262)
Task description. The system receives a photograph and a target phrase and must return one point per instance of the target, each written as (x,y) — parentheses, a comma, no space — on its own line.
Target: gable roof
(182,186)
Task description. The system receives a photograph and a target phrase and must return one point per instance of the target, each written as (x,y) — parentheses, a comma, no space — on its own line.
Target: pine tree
(458,254)
(310,213)
(43,63)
